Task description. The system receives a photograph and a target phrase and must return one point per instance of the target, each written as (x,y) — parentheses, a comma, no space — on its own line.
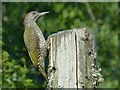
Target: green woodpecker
(35,41)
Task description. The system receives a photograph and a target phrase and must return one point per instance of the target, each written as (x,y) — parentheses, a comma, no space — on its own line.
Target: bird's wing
(31,40)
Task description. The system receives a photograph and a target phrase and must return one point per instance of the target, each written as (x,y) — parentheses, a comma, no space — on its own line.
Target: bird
(34,41)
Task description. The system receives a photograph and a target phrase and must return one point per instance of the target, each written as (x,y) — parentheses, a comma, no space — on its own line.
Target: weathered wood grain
(72,58)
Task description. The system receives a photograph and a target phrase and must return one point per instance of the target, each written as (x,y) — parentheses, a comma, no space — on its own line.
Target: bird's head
(34,15)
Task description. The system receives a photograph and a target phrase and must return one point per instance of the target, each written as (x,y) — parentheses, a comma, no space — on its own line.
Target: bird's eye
(33,13)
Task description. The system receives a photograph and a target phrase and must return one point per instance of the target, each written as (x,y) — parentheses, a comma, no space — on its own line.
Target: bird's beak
(43,13)
(40,14)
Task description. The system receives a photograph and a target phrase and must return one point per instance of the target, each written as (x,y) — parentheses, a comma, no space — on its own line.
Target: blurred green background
(101,18)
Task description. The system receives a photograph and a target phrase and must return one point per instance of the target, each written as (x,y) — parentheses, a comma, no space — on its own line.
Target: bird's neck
(28,23)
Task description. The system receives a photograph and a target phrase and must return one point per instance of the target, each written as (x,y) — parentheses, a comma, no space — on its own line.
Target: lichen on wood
(72,60)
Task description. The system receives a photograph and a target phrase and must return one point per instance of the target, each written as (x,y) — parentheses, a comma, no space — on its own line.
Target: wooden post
(72,60)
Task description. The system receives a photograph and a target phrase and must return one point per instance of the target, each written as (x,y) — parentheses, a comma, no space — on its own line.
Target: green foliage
(18,70)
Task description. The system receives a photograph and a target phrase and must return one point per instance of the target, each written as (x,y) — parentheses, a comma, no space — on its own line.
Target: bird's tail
(42,71)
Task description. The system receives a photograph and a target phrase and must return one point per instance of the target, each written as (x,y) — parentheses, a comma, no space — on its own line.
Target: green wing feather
(31,42)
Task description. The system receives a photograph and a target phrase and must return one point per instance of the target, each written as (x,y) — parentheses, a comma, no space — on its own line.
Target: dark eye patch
(33,12)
